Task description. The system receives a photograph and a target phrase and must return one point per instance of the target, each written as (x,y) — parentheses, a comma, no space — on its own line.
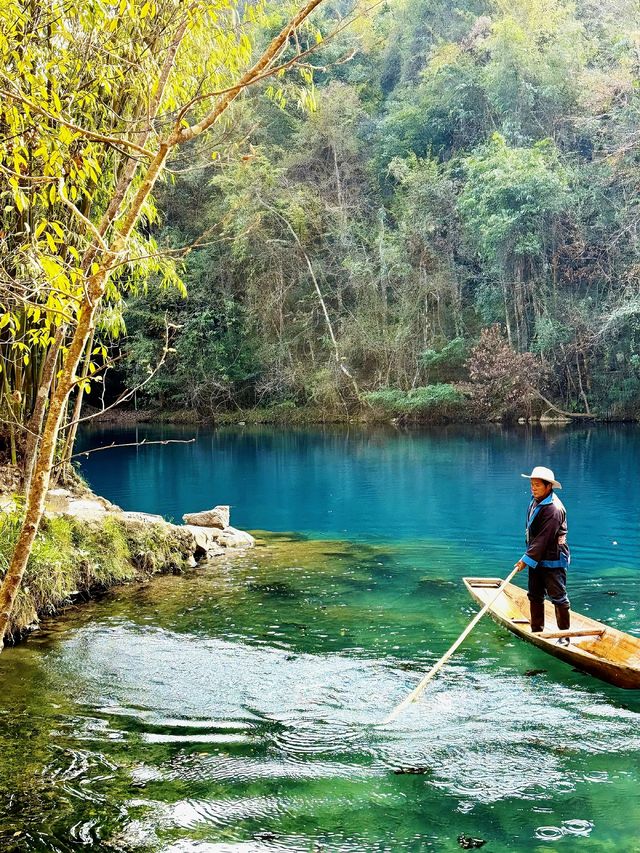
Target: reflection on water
(457,485)
(239,707)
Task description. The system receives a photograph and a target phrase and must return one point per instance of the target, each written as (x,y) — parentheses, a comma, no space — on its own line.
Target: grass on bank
(72,558)
(429,404)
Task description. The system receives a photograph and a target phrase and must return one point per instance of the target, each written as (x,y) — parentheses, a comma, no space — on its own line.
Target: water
(238,708)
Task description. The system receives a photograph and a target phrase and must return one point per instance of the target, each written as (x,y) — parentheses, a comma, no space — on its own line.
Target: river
(239,707)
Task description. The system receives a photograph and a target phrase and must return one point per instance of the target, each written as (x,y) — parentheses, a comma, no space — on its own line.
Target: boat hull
(599,650)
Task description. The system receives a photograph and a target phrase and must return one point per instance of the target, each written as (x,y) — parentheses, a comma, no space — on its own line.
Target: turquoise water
(457,485)
(238,708)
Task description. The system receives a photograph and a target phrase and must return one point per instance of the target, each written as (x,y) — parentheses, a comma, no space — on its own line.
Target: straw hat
(541,473)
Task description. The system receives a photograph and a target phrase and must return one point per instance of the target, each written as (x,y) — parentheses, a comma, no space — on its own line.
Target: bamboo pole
(417,691)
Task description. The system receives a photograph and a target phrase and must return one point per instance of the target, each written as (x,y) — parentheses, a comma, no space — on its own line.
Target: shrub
(71,556)
(447,362)
(501,378)
(431,402)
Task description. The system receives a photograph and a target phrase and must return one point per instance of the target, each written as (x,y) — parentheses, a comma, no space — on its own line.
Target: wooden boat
(605,652)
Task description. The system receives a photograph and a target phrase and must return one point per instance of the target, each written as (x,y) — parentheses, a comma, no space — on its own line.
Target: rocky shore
(205,535)
(87,544)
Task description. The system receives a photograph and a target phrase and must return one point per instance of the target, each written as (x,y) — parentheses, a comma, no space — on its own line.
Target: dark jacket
(546,534)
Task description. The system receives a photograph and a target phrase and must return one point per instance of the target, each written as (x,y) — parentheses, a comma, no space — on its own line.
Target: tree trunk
(95,285)
(67,453)
(39,482)
(34,427)
(506,312)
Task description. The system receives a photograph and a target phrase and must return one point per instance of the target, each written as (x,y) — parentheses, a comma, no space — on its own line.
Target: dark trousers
(552,582)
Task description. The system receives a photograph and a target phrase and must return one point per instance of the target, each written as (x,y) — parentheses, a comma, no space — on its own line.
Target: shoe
(563,641)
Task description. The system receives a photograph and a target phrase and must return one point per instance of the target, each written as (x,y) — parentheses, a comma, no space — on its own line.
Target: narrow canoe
(605,652)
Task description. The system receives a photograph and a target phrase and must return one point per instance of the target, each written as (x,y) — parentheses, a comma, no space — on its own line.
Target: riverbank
(277,415)
(86,545)
(287,415)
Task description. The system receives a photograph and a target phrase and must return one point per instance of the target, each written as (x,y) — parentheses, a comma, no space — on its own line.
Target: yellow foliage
(79,83)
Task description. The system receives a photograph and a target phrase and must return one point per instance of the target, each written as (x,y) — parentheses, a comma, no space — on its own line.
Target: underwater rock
(415,771)
(469,843)
(439,583)
(276,588)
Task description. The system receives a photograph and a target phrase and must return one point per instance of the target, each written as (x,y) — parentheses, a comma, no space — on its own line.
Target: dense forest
(425,211)
(445,222)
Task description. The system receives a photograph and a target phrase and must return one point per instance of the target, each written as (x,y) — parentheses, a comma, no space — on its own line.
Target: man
(547,554)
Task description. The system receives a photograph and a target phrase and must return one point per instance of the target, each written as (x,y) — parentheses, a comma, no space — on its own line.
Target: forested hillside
(450,169)
(433,215)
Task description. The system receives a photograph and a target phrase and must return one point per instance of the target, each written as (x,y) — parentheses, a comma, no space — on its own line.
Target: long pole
(417,691)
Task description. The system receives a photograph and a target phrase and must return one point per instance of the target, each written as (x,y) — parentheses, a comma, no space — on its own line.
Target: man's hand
(520,565)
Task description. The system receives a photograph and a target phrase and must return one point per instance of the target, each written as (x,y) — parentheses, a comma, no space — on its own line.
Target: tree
(503,382)
(509,203)
(181,65)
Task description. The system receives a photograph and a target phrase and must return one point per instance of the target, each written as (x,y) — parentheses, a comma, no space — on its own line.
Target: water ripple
(189,813)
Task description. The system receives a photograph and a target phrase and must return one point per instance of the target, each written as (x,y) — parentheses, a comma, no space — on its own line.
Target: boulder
(216,517)
(206,544)
(230,537)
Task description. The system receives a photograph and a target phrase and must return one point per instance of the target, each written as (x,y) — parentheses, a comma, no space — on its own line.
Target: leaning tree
(97,97)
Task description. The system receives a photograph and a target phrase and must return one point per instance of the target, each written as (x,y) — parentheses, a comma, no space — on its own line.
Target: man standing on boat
(547,554)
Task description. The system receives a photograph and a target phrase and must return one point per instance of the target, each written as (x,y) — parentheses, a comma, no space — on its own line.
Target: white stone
(216,517)
(230,537)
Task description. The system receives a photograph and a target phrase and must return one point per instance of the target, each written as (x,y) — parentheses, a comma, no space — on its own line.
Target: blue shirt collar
(547,500)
